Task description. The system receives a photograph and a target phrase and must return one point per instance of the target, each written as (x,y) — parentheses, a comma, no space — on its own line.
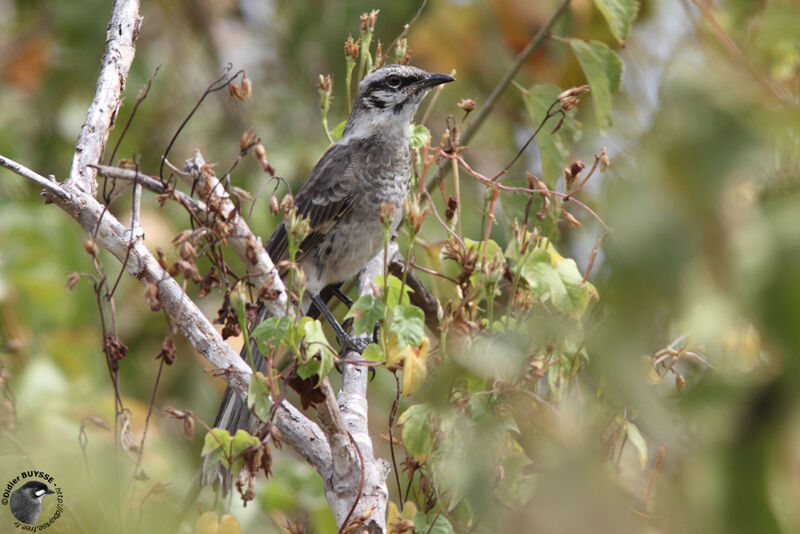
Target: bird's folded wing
(329,193)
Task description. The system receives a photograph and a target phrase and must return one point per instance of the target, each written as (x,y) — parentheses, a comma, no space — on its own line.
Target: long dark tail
(233,414)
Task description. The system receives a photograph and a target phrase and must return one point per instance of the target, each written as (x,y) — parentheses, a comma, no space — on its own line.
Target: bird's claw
(349,343)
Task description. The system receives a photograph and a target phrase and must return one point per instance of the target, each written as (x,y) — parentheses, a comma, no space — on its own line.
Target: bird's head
(35,490)
(388,97)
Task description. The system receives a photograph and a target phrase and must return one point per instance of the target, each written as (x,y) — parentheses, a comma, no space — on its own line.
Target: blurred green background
(703,198)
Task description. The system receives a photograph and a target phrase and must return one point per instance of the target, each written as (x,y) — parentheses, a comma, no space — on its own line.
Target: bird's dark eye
(393,81)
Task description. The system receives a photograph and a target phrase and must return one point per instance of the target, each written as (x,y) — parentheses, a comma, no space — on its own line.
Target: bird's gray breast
(381,170)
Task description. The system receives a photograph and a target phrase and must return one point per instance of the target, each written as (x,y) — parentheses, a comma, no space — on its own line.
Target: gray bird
(26,502)
(342,197)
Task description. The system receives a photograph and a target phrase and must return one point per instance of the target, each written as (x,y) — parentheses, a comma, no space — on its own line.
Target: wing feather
(329,193)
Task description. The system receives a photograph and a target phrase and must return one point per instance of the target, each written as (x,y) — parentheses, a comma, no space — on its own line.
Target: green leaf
(216,440)
(437,524)
(223,446)
(619,14)
(638,442)
(258,396)
(419,136)
(272,331)
(241,441)
(337,132)
(366,311)
(552,152)
(417,432)
(558,279)
(373,353)
(392,297)
(317,356)
(408,323)
(603,70)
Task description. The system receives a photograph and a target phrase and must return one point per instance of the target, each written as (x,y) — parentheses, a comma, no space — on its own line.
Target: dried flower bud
(72,280)
(162,259)
(151,297)
(187,251)
(247,140)
(450,210)
(168,351)
(174,412)
(570,219)
(604,160)
(401,49)
(273,205)
(379,54)
(325,84)
(247,86)
(236,92)
(467,104)
(351,48)
(261,155)
(368,20)
(90,246)
(576,167)
(287,203)
(680,382)
(387,213)
(573,92)
(188,426)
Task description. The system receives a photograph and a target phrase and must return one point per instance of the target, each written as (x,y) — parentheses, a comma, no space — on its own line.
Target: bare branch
(123,29)
(143,266)
(25,172)
(260,269)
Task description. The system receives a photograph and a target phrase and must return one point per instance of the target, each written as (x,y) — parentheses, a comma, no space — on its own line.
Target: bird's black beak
(48,491)
(434,79)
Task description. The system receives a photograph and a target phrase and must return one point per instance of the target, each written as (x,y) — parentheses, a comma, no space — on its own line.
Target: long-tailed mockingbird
(342,198)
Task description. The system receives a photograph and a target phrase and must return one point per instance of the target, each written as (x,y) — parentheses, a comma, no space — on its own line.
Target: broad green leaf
(619,14)
(638,442)
(258,396)
(337,132)
(552,277)
(603,70)
(223,447)
(417,432)
(317,356)
(408,322)
(272,331)
(419,136)
(392,297)
(436,524)
(366,311)
(217,439)
(373,353)
(241,441)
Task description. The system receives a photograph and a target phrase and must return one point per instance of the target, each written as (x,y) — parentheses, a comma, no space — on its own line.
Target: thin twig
(25,172)
(143,92)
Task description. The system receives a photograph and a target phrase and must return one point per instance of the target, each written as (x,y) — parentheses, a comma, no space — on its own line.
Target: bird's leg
(347,301)
(345,340)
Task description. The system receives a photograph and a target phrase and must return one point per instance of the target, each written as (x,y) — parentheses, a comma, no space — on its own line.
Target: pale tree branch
(260,269)
(41,181)
(123,29)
